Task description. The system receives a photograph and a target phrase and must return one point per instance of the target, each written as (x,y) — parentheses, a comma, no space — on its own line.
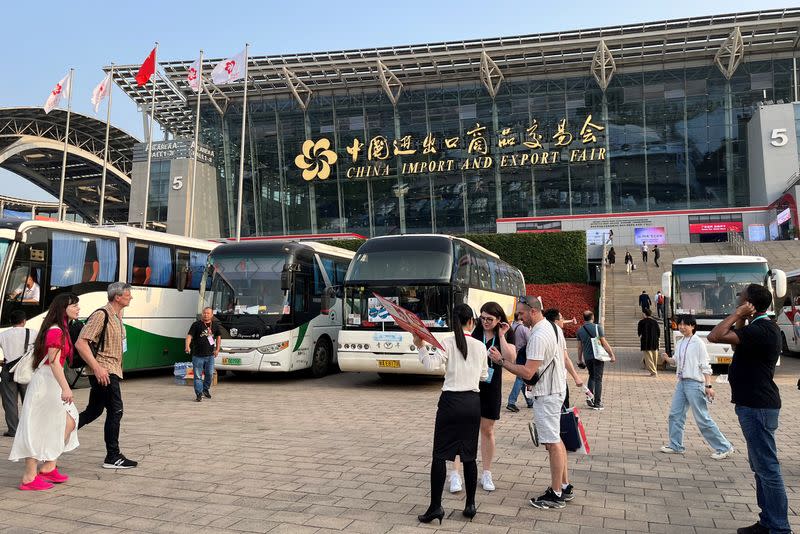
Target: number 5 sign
(778,137)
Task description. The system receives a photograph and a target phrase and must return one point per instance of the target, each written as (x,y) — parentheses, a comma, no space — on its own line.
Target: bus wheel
(321,360)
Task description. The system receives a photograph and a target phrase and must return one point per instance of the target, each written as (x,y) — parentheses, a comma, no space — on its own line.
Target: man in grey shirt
(521,333)
(585,334)
(14,343)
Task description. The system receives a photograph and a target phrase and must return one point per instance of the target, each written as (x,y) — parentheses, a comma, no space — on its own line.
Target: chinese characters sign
(407,155)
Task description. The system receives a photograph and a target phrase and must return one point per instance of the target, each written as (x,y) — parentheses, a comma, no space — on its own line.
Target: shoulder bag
(23,369)
(532,381)
(598,351)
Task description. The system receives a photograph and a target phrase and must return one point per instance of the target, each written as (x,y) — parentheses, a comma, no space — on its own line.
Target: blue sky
(43,39)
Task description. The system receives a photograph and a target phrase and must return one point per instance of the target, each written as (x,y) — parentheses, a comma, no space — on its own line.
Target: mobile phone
(581,365)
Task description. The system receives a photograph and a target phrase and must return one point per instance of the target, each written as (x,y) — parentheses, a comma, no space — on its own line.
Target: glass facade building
(398,140)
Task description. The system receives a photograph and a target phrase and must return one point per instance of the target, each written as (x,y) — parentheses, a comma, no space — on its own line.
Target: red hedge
(571,299)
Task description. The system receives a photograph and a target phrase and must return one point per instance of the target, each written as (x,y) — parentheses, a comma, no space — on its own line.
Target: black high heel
(469,511)
(430,515)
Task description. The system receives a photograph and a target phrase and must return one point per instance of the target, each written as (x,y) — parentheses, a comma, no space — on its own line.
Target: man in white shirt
(545,351)
(29,291)
(644,251)
(13,344)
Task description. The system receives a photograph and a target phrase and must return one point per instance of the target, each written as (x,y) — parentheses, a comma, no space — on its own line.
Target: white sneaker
(722,455)
(669,450)
(455,483)
(486,481)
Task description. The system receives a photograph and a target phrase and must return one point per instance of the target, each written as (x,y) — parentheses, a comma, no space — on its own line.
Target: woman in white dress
(48,423)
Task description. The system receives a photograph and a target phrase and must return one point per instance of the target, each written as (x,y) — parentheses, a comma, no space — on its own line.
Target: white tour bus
(62,257)
(707,287)
(426,274)
(276,303)
(789,318)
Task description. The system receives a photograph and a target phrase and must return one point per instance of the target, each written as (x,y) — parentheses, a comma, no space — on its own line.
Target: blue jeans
(519,387)
(203,364)
(758,427)
(691,393)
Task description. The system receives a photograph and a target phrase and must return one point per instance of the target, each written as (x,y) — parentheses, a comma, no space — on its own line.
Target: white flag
(101,91)
(229,70)
(61,89)
(193,76)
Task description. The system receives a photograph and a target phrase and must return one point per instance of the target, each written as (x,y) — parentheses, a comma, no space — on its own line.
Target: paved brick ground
(351,453)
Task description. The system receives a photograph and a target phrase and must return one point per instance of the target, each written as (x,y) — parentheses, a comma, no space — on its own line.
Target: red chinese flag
(147,69)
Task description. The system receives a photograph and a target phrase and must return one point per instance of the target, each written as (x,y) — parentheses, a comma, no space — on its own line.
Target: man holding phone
(757,347)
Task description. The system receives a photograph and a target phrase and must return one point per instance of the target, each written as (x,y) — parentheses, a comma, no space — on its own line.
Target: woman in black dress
(495,333)
(458,416)
(612,257)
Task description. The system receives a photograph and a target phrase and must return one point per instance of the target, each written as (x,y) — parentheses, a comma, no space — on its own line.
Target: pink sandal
(54,476)
(37,484)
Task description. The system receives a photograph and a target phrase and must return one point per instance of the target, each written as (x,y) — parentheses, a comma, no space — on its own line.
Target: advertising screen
(597,236)
(756,232)
(715,227)
(773,231)
(655,235)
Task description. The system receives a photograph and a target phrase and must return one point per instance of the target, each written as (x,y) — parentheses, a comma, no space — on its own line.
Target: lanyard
(682,363)
(493,340)
(765,316)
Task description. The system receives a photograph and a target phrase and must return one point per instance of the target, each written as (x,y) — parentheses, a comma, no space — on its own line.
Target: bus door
(26,287)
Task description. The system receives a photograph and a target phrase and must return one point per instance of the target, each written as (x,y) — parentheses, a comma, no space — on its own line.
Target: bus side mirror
(329,296)
(287,278)
(458,295)
(779,277)
(666,285)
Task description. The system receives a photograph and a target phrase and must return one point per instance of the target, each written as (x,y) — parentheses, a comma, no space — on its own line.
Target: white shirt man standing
(545,353)
(14,343)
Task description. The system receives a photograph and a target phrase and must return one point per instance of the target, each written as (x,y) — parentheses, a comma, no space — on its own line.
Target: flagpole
(66,146)
(196,142)
(150,138)
(241,152)
(100,219)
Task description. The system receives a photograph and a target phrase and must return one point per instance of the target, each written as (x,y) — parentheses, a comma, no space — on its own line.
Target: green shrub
(543,258)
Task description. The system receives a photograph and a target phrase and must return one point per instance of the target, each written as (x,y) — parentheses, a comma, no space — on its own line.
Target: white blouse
(460,374)
(691,359)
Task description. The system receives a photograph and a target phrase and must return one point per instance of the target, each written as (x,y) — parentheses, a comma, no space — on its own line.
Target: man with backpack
(585,334)
(660,304)
(14,343)
(102,345)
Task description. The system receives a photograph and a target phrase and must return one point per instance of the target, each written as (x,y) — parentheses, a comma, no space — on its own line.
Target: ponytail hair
(462,314)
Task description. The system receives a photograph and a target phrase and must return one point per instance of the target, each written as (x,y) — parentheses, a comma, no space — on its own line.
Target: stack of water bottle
(180,372)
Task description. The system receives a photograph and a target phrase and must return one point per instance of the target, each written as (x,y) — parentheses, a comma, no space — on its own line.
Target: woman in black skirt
(458,416)
(496,334)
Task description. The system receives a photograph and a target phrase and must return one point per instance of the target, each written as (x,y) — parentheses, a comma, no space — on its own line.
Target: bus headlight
(273,347)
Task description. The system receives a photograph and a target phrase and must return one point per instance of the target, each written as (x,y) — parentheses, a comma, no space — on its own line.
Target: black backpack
(75,328)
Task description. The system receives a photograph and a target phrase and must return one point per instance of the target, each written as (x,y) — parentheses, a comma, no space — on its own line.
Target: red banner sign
(715,227)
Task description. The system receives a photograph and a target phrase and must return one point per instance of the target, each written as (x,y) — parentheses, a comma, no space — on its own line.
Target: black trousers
(108,398)
(10,391)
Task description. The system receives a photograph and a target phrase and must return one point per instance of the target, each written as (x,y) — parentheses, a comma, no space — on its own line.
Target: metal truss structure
(32,145)
(686,42)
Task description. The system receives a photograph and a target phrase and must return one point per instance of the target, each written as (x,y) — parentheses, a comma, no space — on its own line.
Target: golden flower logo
(316,159)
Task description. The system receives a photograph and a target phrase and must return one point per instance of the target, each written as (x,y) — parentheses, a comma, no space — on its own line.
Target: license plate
(725,360)
(395,364)
(231,361)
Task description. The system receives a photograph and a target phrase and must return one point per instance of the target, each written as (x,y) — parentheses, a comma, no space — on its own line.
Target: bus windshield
(711,290)
(4,244)
(403,261)
(247,285)
(431,303)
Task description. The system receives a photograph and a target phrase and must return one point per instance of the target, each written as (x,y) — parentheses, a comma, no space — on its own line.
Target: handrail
(601,304)
(740,246)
